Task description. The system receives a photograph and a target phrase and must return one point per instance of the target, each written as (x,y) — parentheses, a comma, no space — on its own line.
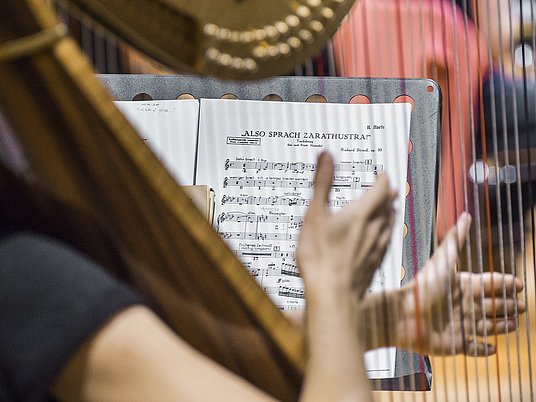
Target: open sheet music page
(169,128)
(260,158)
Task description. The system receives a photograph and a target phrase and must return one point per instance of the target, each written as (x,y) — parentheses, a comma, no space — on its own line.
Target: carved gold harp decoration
(83,166)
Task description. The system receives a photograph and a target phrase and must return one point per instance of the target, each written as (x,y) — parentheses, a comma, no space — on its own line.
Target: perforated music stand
(412,371)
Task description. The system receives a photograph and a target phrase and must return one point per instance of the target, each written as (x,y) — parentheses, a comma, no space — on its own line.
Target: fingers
(493,291)
(491,327)
(375,245)
(476,348)
(322,184)
(500,307)
(378,200)
(493,283)
(496,309)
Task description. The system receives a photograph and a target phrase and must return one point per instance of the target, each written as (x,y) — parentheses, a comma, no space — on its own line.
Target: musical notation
(277,200)
(260,236)
(273,183)
(286,291)
(272,200)
(353,183)
(365,166)
(250,217)
(284,269)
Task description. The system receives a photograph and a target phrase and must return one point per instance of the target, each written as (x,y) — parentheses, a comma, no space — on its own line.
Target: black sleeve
(52,299)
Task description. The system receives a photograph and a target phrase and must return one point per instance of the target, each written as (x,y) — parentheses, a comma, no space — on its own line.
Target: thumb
(441,268)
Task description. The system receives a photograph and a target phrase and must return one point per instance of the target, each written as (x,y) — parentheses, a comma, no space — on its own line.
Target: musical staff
(260,236)
(352,183)
(286,291)
(365,166)
(273,183)
(276,200)
(250,217)
(284,269)
(290,269)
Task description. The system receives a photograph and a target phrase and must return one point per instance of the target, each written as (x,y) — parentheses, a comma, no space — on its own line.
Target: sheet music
(260,159)
(169,127)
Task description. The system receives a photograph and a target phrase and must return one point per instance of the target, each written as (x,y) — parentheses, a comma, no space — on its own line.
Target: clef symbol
(227,164)
(222,218)
(225,182)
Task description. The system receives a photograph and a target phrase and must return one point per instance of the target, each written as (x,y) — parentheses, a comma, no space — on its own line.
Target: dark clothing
(52,300)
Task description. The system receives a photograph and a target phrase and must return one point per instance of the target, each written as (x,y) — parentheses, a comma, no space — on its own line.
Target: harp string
(483,138)
(432,71)
(476,203)
(520,201)
(503,131)
(527,137)
(480,227)
(509,197)
(412,220)
(448,116)
(474,186)
(461,132)
(497,194)
(458,111)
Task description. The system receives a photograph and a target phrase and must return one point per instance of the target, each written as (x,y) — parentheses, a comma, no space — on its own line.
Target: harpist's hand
(344,248)
(338,254)
(443,311)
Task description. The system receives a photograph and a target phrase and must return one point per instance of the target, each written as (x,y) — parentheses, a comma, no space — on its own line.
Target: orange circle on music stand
(273,98)
(142,97)
(229,96)
(316,98)
(185,96)
(360,100)
(405,99)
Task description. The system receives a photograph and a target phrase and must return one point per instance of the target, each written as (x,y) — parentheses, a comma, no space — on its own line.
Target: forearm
(335,369)
(135,357)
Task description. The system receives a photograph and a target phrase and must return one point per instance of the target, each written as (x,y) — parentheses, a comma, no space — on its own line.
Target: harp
(49,79)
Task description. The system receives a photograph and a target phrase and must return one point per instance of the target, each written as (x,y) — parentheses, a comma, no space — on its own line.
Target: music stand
(412,371)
